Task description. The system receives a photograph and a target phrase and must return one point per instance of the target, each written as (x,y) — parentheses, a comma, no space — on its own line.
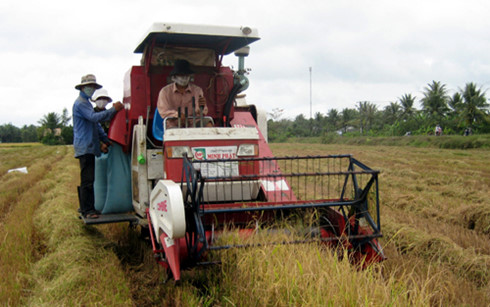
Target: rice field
(435,217)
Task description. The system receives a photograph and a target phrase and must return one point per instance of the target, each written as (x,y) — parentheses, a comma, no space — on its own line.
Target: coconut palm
(408,110)
(318,124)
(474,104)
(348,116)
(333,118)
(392,113)
(367,113)
(456,102)
(65,118)
(51,121)
(434,103)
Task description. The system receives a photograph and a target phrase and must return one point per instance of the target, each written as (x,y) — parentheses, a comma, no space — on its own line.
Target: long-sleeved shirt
(87,132)
(170,99)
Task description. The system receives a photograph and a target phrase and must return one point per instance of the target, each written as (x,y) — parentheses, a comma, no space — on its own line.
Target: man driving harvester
(180,94)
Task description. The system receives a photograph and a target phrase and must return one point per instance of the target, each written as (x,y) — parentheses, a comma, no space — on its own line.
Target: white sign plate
(216,169)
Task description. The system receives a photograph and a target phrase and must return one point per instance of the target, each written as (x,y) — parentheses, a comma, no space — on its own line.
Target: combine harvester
(189,183)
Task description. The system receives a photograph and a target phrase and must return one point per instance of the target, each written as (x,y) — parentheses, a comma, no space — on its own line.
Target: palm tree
(406,102)
(434,103)
(333,118)
(474,104)
(367,113)
(456,102)
(317,124)
(348,116)
(392,112)
(65,118)
(51,121)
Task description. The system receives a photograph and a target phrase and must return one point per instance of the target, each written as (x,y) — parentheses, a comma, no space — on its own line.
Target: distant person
(179,93)
(101,99)
(468,131)
(438,130)
(88,140)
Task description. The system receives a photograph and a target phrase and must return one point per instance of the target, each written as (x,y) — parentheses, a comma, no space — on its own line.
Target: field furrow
(79,266)
(20,155)
(14,185)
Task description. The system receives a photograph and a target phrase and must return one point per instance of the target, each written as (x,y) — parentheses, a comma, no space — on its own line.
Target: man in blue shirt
(88,140)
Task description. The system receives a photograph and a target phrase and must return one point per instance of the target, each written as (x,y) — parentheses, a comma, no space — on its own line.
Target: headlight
(178,151)
(248,150)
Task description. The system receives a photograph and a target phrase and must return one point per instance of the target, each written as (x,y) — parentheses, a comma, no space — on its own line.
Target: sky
(374,51)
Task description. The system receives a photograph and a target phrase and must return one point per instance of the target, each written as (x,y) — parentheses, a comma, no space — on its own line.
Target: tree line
(466,111)
(53,129)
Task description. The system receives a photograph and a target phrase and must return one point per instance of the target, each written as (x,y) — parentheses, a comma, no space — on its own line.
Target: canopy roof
(221,39)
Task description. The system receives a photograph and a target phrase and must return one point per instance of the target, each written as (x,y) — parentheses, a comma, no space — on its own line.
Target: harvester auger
(192,182)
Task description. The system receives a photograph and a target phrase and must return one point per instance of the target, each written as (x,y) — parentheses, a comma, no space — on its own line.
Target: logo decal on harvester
(200,153)
(162,206)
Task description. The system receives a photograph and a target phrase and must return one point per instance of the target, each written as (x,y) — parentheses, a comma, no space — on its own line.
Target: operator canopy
(222,39)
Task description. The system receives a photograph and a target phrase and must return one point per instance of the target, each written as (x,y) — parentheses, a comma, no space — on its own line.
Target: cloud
(359,51)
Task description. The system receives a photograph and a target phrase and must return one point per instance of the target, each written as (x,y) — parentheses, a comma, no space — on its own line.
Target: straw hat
(86,80)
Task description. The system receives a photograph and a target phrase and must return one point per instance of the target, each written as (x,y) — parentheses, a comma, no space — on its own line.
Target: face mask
(101,103)
(88,90)
(181,80)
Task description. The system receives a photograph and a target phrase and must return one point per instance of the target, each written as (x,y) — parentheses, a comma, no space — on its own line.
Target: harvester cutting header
(189,181)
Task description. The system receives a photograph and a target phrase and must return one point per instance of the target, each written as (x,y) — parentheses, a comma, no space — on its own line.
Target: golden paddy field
(435,217)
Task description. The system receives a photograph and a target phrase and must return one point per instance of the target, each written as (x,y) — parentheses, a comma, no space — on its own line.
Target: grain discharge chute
(191,182)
